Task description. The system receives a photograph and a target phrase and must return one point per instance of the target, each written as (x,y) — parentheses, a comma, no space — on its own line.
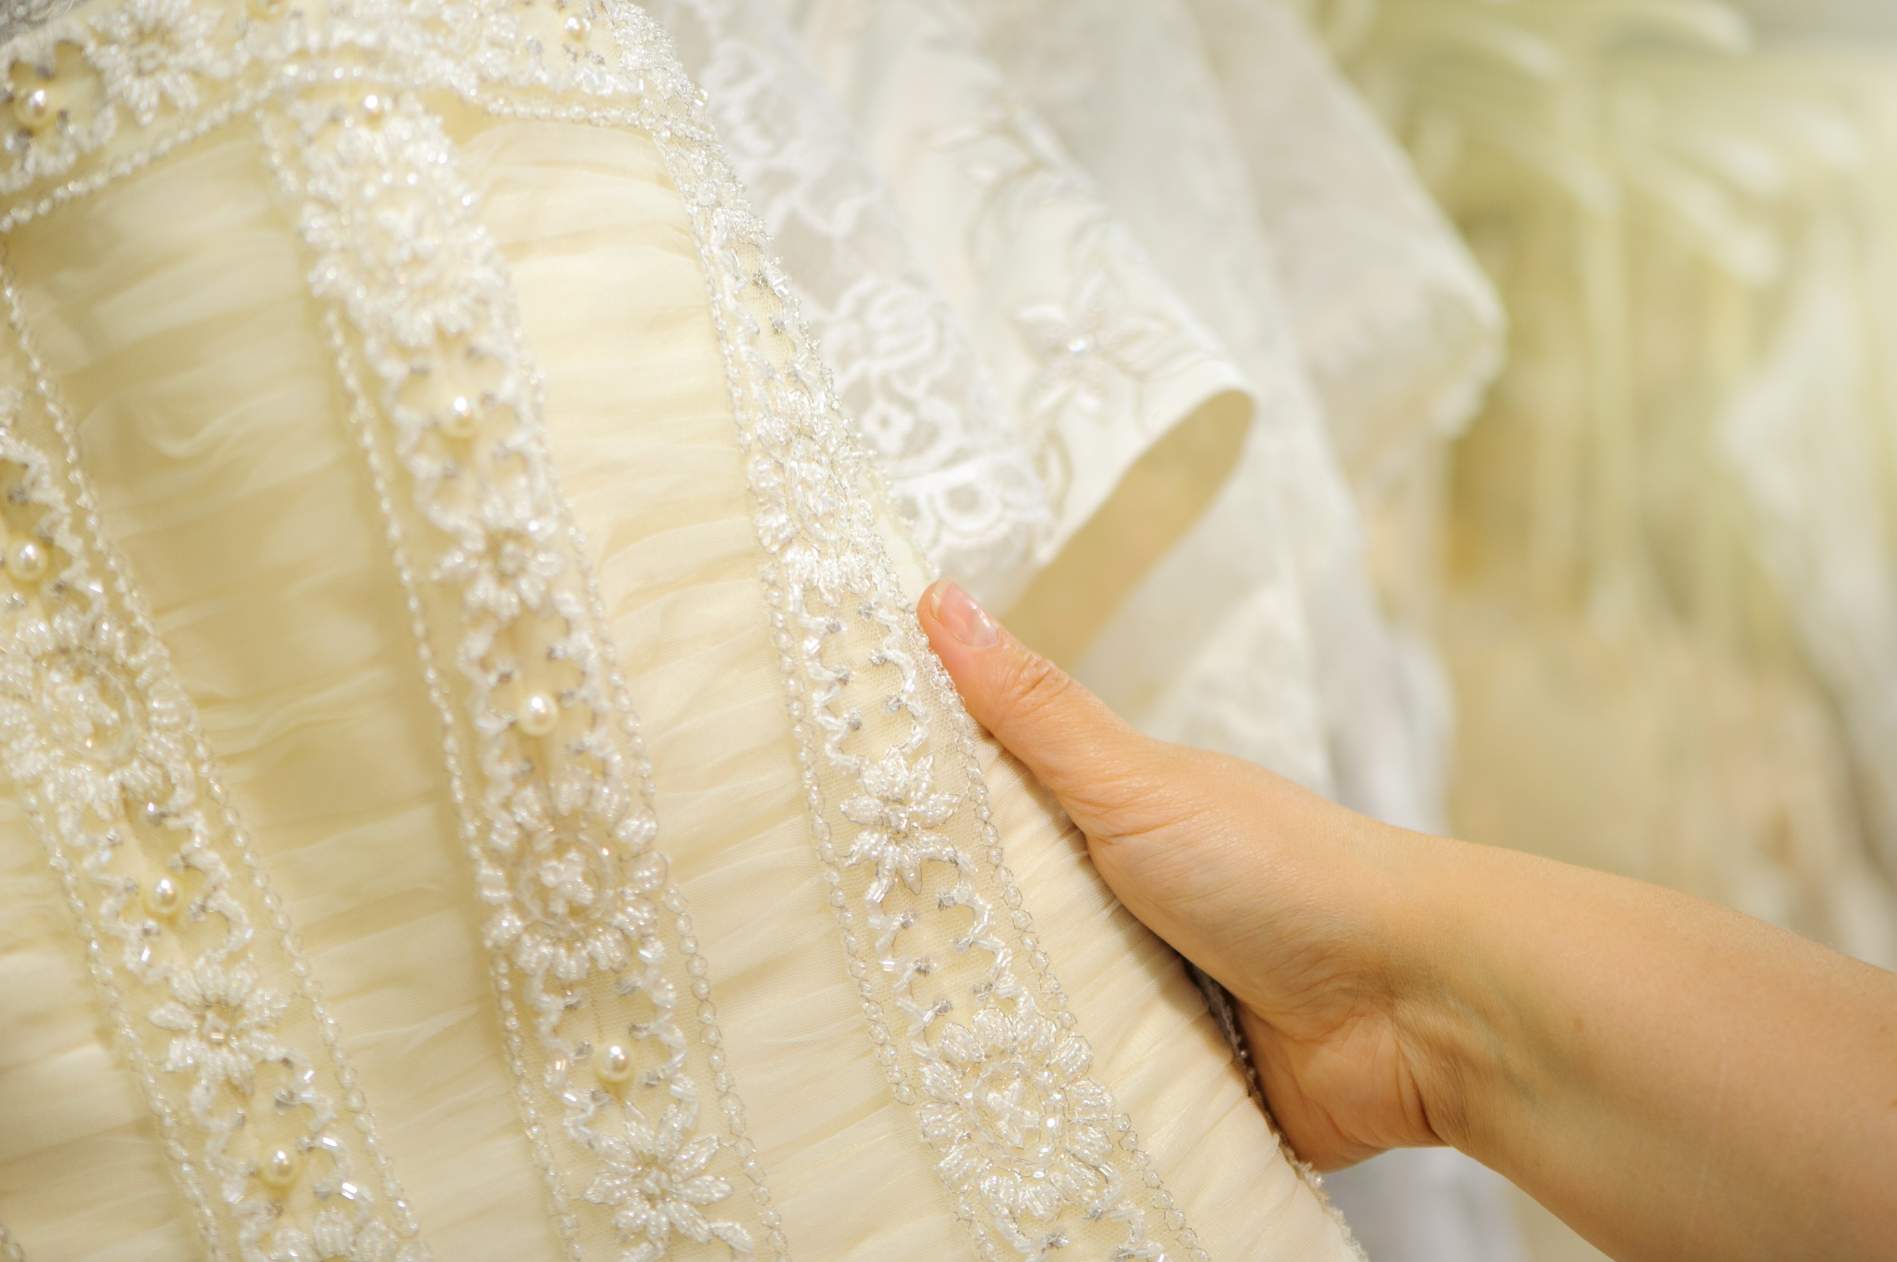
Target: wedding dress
(479,790)
(1054,253)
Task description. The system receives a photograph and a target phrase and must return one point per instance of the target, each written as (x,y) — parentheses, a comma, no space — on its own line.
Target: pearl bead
(33,107)
(162,897)
(539,714)
(27,561)
(279,1168)
(460,418)
(577,27)
(374,105)
(614,1063)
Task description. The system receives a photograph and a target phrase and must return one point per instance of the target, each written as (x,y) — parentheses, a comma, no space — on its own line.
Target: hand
(1289,901)
(1673,1079)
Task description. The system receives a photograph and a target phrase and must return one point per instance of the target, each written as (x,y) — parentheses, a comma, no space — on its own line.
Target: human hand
(1675,1080)
(1288,900)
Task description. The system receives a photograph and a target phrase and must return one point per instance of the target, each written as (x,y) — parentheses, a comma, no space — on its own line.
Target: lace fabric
(1284,656)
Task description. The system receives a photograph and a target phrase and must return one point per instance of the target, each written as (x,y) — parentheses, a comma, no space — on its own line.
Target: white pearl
(577,27)
(33,107)
(614,1063)
(539,714)
(279,1168)
(374,105)
(26,561)
(459,422)
(162,897)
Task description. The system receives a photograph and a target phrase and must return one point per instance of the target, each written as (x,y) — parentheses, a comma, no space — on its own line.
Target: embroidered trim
(1029,1145)
(547,767)
(100,741)
(968,1022)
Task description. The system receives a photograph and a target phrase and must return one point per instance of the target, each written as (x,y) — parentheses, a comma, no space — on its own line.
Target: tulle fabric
(172,311)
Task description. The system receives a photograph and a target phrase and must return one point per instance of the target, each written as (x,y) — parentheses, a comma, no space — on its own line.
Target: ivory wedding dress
(479,791)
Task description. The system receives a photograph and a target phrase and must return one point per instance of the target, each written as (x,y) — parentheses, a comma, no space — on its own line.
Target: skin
(1675,1080)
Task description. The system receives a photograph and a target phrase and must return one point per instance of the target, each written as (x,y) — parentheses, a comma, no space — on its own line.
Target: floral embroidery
(151,53)
(226,1025)
(896,817)
(1014,1087)
(99,741)
(588,935)
(988,1037)
(74,685)
(1093,352)
(656,1181)
(543,759)
(334,1237)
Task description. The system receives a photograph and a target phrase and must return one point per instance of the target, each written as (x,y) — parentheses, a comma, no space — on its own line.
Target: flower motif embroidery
(507,565)
(560,923)
(656,1181)
(333,1237)
(150,52)
(1009,1094)
(88,711)
(569,887)
(225,1025)
(1091,349)
(396,264)
(898,813)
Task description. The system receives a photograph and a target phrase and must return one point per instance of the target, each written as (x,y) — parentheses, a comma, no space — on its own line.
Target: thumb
(1085,754)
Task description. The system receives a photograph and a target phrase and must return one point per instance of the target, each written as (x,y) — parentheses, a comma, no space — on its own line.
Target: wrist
(1449,1004)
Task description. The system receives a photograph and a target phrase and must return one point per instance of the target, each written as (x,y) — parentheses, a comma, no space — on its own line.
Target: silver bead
(33,108)
(539,714)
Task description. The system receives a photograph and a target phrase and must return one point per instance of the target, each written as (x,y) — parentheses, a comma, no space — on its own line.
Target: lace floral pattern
(963,478)
(245,1077)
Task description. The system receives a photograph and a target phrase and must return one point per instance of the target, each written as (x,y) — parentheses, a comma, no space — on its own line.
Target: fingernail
(957,611)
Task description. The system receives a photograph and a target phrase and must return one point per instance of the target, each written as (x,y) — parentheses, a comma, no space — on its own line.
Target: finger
(1072,742)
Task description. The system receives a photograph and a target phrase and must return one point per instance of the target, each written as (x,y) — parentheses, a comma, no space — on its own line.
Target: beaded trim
(220,1020)
(593,956)
(968,1022)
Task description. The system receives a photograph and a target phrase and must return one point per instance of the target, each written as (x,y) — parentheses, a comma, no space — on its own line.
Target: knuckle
(1036,686)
